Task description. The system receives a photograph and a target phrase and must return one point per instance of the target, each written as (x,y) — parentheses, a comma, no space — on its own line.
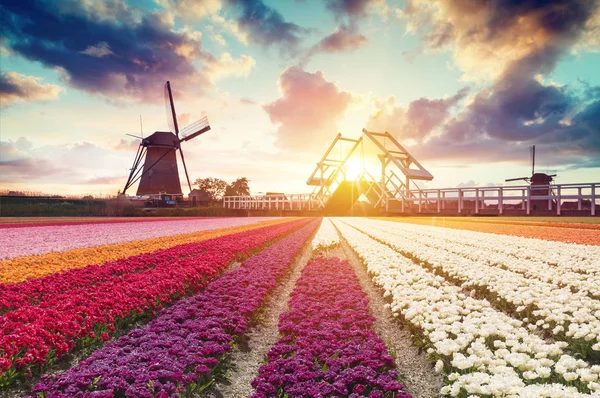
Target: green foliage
(214,187)
(239,187)
(50,207)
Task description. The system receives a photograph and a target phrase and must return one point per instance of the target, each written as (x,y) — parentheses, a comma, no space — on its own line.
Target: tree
(214,187)
(238,188)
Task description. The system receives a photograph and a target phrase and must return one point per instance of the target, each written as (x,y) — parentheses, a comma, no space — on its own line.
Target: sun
(354,169)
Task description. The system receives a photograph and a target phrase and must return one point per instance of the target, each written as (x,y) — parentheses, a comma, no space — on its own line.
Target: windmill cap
(162,138)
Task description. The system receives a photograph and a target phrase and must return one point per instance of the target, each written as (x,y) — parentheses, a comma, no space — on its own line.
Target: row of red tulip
(178,352)
(77,306)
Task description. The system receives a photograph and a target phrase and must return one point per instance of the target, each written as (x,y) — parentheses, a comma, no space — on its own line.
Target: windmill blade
(517,179)
(170,109)
(134,136)
(195,129)
(185,168)
(135,168)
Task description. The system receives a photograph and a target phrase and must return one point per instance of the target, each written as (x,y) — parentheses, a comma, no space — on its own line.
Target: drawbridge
(376,167)
(341,177)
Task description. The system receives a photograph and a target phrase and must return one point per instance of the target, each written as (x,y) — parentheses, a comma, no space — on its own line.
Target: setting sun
(354,169)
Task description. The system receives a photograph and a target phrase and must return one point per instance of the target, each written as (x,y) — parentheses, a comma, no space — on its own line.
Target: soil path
(259,339)
(416,372)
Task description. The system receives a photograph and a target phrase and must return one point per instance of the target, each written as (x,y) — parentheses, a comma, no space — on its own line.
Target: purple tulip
(186,341)
(328,347)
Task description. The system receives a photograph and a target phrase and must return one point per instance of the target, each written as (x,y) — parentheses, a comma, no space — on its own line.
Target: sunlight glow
(354,169)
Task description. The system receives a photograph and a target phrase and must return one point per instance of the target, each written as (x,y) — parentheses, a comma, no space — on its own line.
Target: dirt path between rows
(259,339)
(416,372)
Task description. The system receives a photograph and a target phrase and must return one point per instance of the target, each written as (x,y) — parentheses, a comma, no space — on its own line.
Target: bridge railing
(293,202)
(583,196)
(550,197)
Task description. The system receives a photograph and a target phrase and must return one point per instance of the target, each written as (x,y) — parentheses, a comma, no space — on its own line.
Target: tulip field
(165,307)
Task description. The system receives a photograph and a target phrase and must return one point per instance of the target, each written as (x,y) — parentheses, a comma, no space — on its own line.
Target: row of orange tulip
(27,267)
(573,233)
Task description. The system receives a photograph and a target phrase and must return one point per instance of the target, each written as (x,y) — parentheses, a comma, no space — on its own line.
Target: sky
(466,86)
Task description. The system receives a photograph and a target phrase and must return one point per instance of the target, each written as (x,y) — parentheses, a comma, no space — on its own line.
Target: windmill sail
(170,110)
(195,129)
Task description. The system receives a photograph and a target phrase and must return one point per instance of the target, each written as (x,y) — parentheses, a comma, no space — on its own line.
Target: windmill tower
(541,182)
(159,173)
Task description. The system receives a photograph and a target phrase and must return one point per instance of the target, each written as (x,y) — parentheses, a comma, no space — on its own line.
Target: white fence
(525,197)
(477,200)
(272,202)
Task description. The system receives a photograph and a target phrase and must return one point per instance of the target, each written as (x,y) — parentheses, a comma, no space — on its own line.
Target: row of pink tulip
(178,352)
(15,242)
(84,303)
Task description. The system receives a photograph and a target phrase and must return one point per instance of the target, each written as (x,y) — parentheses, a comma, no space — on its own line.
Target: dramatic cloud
(355,8)
(105,48)
(23,162)
(490,36)
(344,39)
(417,121)
(17,165)
(226,65)
(266,26)
(99,50)
(193,9)
(256,21)
(230,27)
(513,44)
(17,87)
(308,110)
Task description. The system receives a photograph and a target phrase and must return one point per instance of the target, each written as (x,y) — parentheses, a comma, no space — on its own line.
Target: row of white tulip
(489,249)
(326,237)
(584,259)
(568,316)
(482,352)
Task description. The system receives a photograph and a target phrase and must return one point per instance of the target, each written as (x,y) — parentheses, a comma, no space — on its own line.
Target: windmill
(542,180)
(536,178)
(159,173)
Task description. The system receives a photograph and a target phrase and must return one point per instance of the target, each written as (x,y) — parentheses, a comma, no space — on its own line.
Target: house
(199,198)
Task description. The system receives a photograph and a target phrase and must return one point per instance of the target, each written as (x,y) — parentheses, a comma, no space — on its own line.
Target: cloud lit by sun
(475,85)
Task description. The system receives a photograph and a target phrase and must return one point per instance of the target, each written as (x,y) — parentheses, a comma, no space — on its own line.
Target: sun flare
(354,169)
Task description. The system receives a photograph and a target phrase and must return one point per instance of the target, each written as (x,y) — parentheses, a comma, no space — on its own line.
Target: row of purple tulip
(328,347)
(180,351)
(56,314)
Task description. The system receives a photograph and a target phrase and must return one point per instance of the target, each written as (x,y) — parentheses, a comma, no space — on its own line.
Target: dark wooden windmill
(159,173)
(540,183)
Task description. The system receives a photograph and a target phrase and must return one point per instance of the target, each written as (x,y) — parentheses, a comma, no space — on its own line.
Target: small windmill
(536,178)
(159,172)
(542,183)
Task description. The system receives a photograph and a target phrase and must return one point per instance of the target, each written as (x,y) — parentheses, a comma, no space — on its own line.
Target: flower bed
(28,267)
(481,352)
(328,346)
(182,348)
(569,316)
(76,306)
(16,242)
(584,235)
(26,222)
(326,237)
(562,256)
